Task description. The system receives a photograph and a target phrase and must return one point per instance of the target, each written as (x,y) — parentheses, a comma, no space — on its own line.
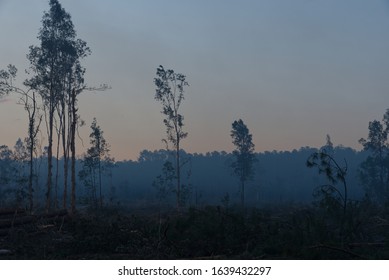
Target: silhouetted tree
(58,73)
(243,165)
(335,173)
(374,171)
(34,122)
(29,102)
(331,194)
(170,92)
(96,161)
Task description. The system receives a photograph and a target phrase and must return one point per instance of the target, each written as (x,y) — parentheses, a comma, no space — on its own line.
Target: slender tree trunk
(30,178)
(101,197)
(73,151)
(178,168)
(112,188)
(57,168)
(65,148)
(50,133)
(66,175)
(242,193)
(31,165)
(94,187)
(31,148)
(73,178)
(50,159)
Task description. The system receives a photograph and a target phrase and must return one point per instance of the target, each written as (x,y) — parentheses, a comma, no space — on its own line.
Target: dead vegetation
(293,232)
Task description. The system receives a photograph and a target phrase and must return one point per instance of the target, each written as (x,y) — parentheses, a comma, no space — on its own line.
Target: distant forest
(280,178)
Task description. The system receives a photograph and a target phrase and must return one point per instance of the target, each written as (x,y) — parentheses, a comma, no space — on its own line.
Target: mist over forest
(281,177)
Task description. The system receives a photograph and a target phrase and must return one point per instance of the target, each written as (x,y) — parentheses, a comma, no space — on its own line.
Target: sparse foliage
(170,87)
(332,195)
(96,162)
(6,80)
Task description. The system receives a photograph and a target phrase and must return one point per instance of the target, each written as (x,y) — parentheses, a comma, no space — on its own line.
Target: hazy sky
(294,71)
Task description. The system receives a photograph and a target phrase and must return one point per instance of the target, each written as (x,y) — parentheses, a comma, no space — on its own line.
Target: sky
(293,71)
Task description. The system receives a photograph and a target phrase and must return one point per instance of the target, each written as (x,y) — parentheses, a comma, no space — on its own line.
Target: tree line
(281,178)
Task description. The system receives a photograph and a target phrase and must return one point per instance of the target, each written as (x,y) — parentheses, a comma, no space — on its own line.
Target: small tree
(96,161)
(243,165)
(333,197)
(335,174)
(170,92)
